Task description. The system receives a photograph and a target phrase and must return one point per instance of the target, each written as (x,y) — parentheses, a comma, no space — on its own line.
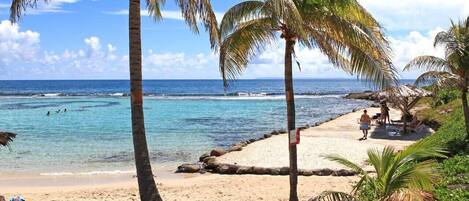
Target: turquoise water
(95,132)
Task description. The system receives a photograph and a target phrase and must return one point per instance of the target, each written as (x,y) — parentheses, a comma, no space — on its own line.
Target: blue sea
(183,118)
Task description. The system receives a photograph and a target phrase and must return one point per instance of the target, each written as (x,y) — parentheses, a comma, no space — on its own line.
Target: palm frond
(431,63)
(19,6)
(154,8)
(421,150)
(343,161)
(439,79)
(368,55)
(193,10)
(238,48)
(286,13)
(240,13)
(334,196)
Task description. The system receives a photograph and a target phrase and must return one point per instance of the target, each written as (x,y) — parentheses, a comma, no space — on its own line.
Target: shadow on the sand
(381,132)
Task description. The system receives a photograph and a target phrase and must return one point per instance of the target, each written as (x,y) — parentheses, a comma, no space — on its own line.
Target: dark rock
(217,152)
(241,144)
(244,170)
(363,96)
(343,173)
(274,171)
(260,170)
(274,133)
(203,156)
(236,148)
(306,172)
(282,131)
(210,158)
(267,135)
(188,168)
(226,169)
(284,171)
(210,162)
(252,140)
(323,172)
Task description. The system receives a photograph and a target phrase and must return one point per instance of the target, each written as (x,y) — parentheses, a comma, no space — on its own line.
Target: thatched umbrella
(6,138)
(404,97)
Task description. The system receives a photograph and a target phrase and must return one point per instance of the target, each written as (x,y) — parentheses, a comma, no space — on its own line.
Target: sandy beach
(338,136)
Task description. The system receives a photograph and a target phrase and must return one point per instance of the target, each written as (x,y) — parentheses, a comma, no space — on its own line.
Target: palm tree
(192,11)
(452,70)
(342,30)
(399,176)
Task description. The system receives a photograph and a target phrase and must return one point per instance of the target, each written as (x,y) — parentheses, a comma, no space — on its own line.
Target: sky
(88,39)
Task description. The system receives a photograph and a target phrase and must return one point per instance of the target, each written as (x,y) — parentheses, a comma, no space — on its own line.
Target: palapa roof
(405,91)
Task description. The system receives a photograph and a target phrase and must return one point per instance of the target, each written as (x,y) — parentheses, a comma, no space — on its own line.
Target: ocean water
(183,118)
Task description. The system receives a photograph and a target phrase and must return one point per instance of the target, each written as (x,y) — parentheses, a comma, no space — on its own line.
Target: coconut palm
(192,11)
(452,70)
(398,176)
(342,30)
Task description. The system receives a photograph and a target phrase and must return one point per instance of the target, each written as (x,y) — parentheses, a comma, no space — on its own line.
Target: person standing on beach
(385,114)
(365,122)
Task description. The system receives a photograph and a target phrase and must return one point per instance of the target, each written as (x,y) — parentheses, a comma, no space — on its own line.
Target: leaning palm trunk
(146,183)
(290,99)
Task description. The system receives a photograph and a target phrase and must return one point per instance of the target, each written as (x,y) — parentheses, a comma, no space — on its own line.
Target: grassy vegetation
(453,184)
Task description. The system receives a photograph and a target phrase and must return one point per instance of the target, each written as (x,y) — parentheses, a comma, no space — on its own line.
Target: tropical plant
(192,11)
(406,175)
(452,70)
(6,138)
(341,29)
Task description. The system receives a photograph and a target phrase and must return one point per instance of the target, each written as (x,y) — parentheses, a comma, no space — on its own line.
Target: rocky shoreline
(207,162)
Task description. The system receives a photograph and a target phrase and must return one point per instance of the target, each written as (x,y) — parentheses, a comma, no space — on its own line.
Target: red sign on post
(294,136)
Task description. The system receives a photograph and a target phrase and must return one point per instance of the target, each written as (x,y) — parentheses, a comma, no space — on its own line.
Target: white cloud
(17,45)
(412,45)
(167,14)
(410,15)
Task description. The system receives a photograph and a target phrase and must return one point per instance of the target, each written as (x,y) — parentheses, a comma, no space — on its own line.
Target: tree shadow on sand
(392,133)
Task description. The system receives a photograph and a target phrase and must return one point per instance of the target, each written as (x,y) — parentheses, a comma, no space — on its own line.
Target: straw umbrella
(6,138)
(404,97)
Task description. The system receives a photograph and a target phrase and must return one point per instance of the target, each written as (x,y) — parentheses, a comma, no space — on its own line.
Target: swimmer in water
(48,113)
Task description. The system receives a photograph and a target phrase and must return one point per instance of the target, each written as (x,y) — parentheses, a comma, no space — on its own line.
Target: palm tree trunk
(290,98)
(466,110)
(146,183)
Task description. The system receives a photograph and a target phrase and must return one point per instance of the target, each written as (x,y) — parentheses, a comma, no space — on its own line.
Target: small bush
(454,178)
(445,97)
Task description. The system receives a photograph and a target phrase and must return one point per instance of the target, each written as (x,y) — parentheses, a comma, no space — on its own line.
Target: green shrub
(452,133)
(454,171)
(445,97)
